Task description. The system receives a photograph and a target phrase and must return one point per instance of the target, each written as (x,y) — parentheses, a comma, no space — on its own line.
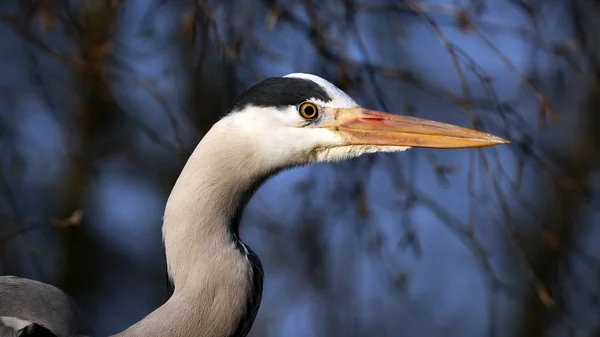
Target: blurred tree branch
(213,53)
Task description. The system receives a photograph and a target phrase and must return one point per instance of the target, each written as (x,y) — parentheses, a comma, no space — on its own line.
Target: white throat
(216,292)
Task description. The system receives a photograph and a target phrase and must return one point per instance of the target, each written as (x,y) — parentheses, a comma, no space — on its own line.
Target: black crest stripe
(281,91)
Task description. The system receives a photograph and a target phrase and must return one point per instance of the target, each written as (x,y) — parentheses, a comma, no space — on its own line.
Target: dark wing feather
(36,330)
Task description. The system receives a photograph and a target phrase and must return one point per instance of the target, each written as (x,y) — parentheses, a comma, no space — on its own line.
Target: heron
(277,124)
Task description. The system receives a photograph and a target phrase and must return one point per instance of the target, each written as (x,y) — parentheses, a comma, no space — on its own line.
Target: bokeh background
(102,101)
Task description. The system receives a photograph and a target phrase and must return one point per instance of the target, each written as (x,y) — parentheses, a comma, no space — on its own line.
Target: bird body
(277,124)
(24,302)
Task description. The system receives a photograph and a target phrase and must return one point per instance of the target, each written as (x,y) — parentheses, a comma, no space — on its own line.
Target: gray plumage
(40,303)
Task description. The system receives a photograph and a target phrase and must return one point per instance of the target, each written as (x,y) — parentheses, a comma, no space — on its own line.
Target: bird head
(302,118)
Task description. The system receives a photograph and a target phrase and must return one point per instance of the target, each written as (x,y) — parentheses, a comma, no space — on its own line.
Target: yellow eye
(308,110)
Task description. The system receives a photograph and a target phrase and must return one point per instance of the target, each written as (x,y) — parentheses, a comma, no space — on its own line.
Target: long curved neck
(217,279)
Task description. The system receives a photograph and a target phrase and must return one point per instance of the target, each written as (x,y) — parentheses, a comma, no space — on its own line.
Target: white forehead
(339,99)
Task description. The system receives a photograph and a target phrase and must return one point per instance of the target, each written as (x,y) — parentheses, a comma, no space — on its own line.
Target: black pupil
(309,110)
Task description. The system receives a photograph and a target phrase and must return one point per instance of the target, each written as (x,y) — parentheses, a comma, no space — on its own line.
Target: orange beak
(367,127)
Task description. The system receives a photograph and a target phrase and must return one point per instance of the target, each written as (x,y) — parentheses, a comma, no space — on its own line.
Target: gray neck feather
(212,278)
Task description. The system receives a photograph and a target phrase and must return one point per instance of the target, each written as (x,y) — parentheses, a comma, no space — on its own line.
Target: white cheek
(300,145)
(277,138)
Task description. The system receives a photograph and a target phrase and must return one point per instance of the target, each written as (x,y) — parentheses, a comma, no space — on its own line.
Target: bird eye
(308,110)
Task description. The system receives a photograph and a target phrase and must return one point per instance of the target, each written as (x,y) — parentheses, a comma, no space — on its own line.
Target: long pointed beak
(367,127)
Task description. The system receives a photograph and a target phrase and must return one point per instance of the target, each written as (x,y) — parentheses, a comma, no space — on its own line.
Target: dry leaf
(73,220)
(102,49)
(188,21)
(46,19)
(542,111)
(463,22)
(362,204)
(272,18)
(551,240)
(543,295)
